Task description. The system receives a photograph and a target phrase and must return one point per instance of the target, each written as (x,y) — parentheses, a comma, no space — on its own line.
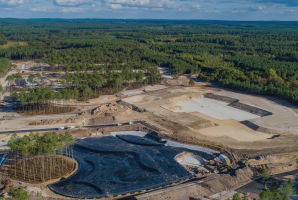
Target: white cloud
(118,6)
(196,6)
(59,9)
(73,10)
(143,3)
(257,9)
(291,11)
(13,2)
(130,2)
(44,9)
(284,2)
(72,2)
(158,9)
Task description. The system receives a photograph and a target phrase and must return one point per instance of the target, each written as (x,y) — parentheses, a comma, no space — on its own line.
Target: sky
(256,10)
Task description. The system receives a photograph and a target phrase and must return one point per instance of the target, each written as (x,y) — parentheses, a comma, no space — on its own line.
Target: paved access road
(257,186)
(28,130)
(58,128)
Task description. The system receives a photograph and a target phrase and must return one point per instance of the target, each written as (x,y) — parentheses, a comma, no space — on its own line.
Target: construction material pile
(111,109)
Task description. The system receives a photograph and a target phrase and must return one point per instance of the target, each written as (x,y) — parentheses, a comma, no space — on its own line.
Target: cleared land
(215,126)
(216,109)
(198,128)
(158,109)
(193,127)
(283,120)
(231,128)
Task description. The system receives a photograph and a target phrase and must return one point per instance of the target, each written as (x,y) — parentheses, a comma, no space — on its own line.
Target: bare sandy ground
(194,125)
(184,81)
(213,108)
(23,122)
(284,118)
(91,102)
(166,72)
(231,128)
(141,99)
(150,88)
(132,92)
(141,90)
(226,129)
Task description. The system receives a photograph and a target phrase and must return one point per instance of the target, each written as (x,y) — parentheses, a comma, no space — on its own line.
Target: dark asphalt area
(257,186)
(28,130)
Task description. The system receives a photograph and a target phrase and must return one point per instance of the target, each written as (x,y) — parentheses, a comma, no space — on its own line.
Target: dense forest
(4,65)
(254,57)
(41,156)
(3,39)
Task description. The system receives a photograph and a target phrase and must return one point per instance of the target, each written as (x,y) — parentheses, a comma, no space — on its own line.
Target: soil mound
(111,109)
(101,120)
(206,188)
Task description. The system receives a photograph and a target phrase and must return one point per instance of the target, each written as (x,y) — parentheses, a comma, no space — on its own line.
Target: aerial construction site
(168,140)
(157,141)
(129,108)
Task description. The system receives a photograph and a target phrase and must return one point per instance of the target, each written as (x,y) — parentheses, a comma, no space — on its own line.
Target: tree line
(232,53)
(41,155)
(3,39)
(85,85)
(41,100)
(4,66)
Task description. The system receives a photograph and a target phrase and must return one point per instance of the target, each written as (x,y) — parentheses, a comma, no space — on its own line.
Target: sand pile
(207,188)
(187,158)
(111,109)
(225,182)
(35,192)
(231,128)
